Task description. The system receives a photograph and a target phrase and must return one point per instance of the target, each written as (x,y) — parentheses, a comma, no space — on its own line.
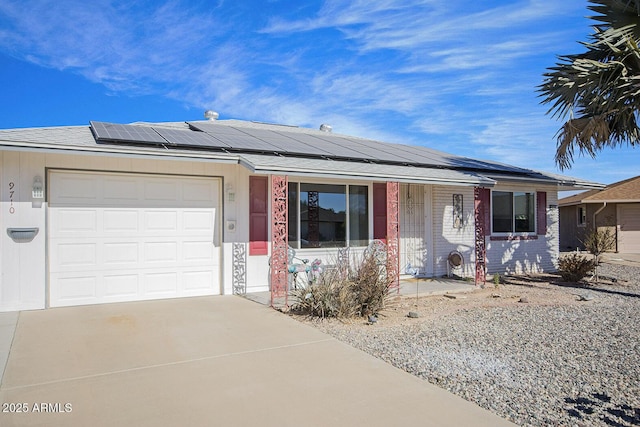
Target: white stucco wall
(519,255)
(446,237)
(23,266)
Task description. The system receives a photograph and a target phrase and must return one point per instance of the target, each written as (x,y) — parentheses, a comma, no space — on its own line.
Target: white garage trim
(114,237)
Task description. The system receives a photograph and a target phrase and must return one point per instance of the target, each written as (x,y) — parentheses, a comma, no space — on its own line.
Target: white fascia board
(274,170)
(611,201)
(156,154)
(573,185)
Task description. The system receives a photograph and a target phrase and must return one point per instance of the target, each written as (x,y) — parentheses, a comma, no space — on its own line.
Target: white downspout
(595,227)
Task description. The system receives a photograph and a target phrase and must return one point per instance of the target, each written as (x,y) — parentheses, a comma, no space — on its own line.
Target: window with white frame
(328,215)
(513,212)
(582,216)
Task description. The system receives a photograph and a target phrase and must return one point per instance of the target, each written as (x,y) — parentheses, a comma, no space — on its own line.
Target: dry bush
(371,285)
(574,267)
(363,291)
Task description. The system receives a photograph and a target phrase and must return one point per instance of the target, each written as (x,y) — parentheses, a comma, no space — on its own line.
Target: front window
(513,212)
(582,216)
(325,215)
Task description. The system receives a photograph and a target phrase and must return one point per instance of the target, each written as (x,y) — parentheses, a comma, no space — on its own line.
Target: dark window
(513,212)
(358,215)
(324,215)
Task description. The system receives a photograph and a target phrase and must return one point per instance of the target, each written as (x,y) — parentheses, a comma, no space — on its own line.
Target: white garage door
(629,235)
(128,237)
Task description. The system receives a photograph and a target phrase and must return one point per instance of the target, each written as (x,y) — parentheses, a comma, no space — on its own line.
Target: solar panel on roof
(189,138)
(376,151)
(269,137)
(215,129)
(235,138)
(112,132)
(324,147)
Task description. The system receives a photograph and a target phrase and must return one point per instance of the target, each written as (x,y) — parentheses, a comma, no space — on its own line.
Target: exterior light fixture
(231,194)
(37,191)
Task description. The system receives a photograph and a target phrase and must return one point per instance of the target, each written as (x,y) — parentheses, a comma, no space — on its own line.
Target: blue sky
(458,76)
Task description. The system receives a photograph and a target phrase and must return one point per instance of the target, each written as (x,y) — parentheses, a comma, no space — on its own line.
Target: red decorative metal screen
(313,209)
(279,238)
(481,208)
(393,233)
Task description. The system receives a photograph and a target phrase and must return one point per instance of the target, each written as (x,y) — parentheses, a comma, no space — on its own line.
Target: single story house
(123,212)
(616,207)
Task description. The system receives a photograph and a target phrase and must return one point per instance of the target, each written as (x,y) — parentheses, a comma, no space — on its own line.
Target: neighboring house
(616,207)
(109,213)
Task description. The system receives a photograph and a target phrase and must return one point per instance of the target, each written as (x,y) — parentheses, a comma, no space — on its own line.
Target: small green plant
(574,267)
(598,242)
(496,280)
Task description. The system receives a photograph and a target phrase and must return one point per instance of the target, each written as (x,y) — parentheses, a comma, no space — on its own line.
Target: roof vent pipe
(211,115)
(326,128)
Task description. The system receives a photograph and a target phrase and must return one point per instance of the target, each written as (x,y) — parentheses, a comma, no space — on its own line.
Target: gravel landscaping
(532,350)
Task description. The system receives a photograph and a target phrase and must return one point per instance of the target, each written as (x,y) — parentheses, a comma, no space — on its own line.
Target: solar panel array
(126,133)
(272,140)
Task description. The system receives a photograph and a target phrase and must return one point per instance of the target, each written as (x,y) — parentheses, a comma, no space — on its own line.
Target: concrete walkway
(207,361)
(409,286)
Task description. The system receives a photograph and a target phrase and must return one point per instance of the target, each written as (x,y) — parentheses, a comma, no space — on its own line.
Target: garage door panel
(629,232)
(198,192)
(197,281)
(73,289)
(68,221)
(161,283)
(76,254)
(161,252)
(161,221)
(117,247)
(161,190)
(74,190)
(120,191)
(194,251)
(117,220)
(121,285)
(121,254)
(199,221)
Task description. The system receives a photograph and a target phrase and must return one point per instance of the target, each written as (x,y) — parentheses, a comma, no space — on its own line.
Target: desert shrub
(363,291)
(328,296)
(598,242)
(574,267)
(371,285)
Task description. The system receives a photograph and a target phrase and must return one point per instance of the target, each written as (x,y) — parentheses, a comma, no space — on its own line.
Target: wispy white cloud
(408,71)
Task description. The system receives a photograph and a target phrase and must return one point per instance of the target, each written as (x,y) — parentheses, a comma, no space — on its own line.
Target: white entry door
(116,237)
(413,245)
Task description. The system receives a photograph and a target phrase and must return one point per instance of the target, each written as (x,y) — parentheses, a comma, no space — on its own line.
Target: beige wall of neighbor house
(629,228)
(616,208)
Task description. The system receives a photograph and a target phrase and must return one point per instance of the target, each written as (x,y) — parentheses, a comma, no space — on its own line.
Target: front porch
(426,286)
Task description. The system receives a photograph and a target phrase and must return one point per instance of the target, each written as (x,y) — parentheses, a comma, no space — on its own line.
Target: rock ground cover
(532,350)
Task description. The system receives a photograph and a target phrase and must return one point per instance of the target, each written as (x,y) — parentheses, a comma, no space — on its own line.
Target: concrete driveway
(202,362)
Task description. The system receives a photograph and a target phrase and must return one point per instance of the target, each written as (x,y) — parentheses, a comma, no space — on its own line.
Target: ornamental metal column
(480,204)
(393,234)
(313,212)
(279,239)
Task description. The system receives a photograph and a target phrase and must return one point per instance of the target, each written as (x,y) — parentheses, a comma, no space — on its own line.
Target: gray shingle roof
(267,148)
